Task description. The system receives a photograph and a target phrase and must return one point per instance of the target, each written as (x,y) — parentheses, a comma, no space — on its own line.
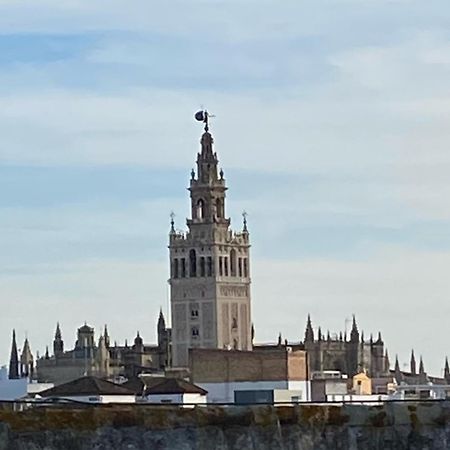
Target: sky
(332,126)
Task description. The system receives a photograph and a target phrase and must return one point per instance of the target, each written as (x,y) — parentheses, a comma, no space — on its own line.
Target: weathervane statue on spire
(203,116)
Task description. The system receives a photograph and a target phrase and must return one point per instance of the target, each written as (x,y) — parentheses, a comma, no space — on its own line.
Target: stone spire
(106,337)
(14,359)
(412,363)
(102,358)
(447,371)
(397,372)
(379,340)
(421,366)
(26,360)
(319,334)
(309,332)
(172,216)
(161,322)
(354,334)
(423,378)
(387,364)
(58,343)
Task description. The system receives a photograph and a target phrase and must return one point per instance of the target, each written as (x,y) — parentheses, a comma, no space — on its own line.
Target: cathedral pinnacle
(309,333)
(14,359)
(446,370)
(413,363)
(172,222)
(244,220)
(354,334)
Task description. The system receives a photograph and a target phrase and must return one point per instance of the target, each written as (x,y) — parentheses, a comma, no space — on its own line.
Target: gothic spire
(106,336)
(58,343)
(319,334)
(397,372)
(14,359)
(354,334)
(26,360)
(447,371)
(421,367)
(412,363)
(280,339)
(172,216)
(58,331)
(161,321)
(387,364)
(309,333)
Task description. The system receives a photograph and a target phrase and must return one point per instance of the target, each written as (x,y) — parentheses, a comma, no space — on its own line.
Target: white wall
(303,386)
(100,398)
(224,392)
(177,398)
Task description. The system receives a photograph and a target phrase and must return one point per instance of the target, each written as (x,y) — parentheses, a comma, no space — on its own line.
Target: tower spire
(447,370)
(14,359)
(58,343)
(412,363)
(387,364)
(354,334)
(172,223)
(309,332)
(397,372)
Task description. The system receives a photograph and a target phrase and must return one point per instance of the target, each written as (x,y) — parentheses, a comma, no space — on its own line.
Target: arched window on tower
(192,263)
(202,267)
(219,208)
(200,209)
(233,262)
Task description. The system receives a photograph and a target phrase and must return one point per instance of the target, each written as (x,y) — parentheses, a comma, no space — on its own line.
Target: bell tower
(209,266)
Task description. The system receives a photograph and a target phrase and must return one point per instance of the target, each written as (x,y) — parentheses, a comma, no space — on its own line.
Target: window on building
(202,267)
(200,209)
(210,266)
(192,263)
(194,312)
(183,267)
(245,267)
(195,332)
(175,268)
(219,208)
(233,262)
(240,267)
(220,266)
(225,265)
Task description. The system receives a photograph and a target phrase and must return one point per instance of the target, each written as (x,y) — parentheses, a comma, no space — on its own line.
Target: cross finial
(244,217)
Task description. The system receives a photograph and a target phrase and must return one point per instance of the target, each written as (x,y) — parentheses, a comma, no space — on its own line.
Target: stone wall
(220,366)
(391,426)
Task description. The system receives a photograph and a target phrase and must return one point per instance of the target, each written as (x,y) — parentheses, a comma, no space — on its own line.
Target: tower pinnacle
(14,359)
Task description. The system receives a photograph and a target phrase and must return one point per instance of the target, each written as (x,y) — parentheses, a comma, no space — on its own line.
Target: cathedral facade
(347,354)
(210,268)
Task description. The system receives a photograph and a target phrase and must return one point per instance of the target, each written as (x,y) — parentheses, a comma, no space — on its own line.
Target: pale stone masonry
(209,269)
